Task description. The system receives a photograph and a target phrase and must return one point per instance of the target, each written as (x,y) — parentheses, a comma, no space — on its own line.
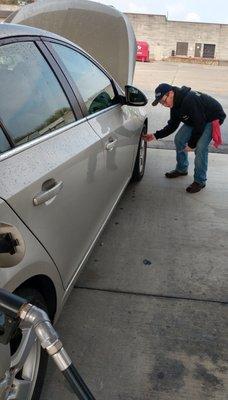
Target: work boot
(195,187)
(175,174)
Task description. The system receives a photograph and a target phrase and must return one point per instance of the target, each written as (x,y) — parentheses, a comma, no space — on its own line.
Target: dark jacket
(195,109)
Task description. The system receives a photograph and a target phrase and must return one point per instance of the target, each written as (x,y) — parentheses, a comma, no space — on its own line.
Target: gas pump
(13,310)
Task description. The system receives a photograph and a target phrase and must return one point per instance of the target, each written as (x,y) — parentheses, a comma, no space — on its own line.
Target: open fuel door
(104,32)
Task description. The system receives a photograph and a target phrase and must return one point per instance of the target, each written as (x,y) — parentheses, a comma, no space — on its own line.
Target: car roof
(12,30)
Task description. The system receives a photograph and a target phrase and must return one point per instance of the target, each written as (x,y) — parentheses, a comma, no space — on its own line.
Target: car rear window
(32,102)
(94,86)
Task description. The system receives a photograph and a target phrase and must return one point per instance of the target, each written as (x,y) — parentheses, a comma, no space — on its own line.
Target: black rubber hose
(78,385)
(10,304)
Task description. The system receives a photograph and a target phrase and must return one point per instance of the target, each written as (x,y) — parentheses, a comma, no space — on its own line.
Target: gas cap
(12,246)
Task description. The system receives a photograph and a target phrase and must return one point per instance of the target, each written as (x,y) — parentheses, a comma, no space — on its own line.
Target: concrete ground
(148,317)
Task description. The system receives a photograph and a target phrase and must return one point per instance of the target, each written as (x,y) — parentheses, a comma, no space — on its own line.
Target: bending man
(202,116)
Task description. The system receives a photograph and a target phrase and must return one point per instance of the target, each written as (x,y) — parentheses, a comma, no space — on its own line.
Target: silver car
(70,142)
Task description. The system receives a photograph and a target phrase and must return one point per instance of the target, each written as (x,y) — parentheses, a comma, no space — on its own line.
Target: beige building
(195,41)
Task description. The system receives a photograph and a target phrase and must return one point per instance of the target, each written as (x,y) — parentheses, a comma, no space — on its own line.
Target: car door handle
(110,144)
(49,190)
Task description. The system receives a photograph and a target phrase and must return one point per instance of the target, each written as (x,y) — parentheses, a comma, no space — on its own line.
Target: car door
(52,176)
(116,125)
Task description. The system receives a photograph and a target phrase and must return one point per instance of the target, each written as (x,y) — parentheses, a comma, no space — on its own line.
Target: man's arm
(194,109)
(171,126)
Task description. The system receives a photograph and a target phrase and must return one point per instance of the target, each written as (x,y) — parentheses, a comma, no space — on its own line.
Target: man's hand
(148,137)
(187,148)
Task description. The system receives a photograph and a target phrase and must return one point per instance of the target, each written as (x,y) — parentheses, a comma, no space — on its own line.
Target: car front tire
(140,161)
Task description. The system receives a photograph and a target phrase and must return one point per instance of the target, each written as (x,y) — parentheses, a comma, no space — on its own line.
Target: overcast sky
(179,10)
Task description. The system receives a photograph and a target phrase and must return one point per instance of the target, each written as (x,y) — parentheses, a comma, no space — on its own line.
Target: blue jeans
(201,152)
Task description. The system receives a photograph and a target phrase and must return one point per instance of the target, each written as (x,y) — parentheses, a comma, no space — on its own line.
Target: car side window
(94,86)
(4,144)
(32,102)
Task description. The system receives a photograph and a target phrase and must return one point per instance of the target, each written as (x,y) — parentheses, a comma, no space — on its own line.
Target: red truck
(142,51)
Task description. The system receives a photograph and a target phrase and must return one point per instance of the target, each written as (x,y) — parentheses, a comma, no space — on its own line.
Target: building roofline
(154,15)
(178,21)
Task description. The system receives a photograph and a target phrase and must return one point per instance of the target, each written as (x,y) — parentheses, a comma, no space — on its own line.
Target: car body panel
(124,133)
(67,157)
(102,31)
(35,262)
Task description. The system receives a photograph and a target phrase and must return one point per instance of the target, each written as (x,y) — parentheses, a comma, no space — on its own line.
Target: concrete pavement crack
(160,296)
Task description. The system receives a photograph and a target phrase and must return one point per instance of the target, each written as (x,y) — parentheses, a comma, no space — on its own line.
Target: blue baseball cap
(160,91)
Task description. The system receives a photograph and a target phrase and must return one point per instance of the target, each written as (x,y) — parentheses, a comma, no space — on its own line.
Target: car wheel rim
(142,155)
(25,362)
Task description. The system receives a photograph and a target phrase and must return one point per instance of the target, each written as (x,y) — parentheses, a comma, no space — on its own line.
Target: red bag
(216,133)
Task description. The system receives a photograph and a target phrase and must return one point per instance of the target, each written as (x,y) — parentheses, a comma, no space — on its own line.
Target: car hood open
(104,32)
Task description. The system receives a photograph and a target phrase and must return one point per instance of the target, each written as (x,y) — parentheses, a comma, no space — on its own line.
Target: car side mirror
(134,96)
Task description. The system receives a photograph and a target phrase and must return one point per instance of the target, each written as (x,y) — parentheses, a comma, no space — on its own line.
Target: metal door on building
(208,50)
(198,48)
(182,49)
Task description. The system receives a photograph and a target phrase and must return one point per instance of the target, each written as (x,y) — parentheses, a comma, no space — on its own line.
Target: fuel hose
(18,309)
(77,384)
